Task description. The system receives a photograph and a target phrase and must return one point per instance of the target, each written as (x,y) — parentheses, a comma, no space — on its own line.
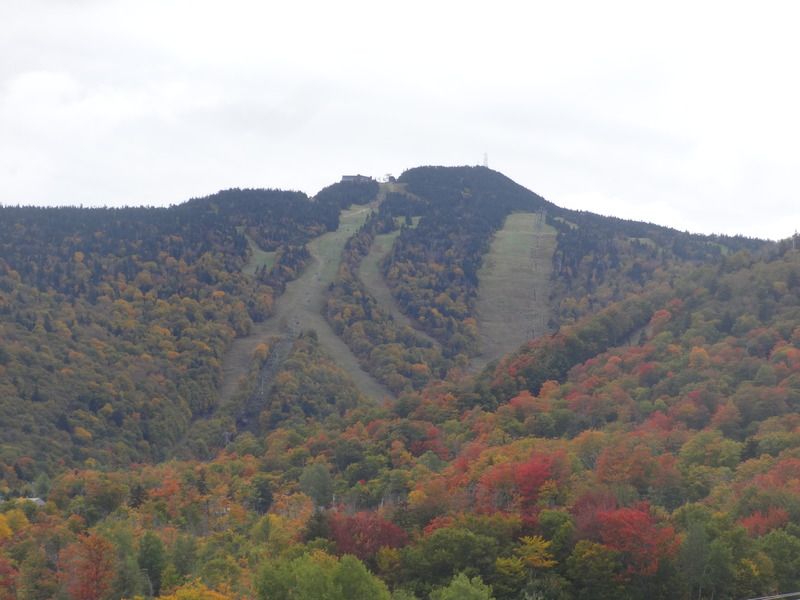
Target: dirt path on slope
(512,305)
(300,308)
(369,273)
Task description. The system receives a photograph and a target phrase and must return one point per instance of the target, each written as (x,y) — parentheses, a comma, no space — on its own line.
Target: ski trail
(513,295)
(300,308)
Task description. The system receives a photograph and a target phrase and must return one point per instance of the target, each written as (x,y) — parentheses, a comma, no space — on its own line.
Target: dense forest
(598,260)
(114,321)
(649,447)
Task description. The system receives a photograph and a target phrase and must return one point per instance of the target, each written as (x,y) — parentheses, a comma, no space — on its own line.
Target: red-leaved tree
(87,567)
(634,533)
(8,580)
(364,533)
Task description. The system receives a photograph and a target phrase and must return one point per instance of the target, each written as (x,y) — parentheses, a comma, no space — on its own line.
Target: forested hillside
(647,448)
(597,260)
(114,321)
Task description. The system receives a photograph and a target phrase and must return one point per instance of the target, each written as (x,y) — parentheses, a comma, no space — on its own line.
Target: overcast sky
(683,114)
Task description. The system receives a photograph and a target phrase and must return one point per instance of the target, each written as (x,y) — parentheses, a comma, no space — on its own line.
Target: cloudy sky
(680,113)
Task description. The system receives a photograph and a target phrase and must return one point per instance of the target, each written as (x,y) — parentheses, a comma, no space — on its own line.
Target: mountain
(443,386)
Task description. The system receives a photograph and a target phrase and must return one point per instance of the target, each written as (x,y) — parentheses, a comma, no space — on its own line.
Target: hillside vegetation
(433,271)
(299,308)
(115,321)
(395,353)
(647,448)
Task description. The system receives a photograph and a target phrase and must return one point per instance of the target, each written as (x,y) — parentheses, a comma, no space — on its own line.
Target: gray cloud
(675,117)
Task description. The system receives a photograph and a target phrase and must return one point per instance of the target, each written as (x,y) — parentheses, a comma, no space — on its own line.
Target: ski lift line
(776,597)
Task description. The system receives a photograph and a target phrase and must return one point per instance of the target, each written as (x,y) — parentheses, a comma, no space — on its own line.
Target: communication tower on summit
(486,159)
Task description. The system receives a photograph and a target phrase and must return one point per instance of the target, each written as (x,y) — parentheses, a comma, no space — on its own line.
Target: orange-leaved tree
(87,567)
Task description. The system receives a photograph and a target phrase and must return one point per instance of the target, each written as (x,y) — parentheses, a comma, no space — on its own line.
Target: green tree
(129,580)
(558,527)
(694,559)
(437,557)
(355,582)
(463,588)
(261,493)
(594,570)
(753,576)
(184,554)
(319,575)
(220,570)
(720,568)
(36,580)
(784,550)
(152,560)
(316,481)
(509,578)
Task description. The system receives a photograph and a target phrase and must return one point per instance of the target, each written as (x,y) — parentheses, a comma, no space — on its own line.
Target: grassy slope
(512,304)
(258,258)
(370,274)
(300,308)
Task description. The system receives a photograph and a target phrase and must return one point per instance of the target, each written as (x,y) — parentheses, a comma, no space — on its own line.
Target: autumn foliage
(648,449)
(364,533)
(87,567)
